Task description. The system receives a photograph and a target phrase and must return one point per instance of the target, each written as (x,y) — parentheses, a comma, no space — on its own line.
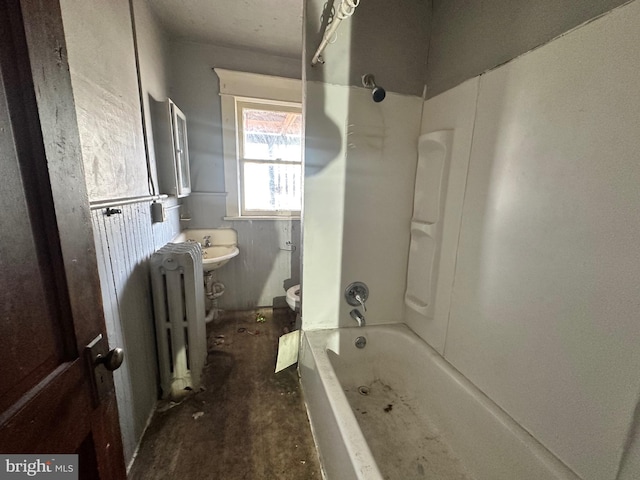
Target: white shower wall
(323,216)
(360,156)
(452,110)
(544,304)
(381,163)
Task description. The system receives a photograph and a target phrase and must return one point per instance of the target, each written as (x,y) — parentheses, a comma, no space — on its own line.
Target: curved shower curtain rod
(345,10)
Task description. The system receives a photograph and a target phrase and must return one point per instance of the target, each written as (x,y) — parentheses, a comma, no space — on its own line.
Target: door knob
(111,360)
(101,362)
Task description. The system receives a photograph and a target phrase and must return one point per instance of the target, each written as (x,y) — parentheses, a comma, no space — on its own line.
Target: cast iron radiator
(178,302)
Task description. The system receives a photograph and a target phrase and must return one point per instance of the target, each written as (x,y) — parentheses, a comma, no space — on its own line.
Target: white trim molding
(235,85)
(255,85)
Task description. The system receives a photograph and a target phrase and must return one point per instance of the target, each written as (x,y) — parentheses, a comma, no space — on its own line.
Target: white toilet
(293,298)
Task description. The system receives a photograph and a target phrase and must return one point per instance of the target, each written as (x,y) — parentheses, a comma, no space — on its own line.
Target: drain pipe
(213,291)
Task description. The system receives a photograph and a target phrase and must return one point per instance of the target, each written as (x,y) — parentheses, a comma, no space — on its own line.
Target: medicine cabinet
(172,150)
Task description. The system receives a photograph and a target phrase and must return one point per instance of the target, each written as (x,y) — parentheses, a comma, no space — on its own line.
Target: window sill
(261,217)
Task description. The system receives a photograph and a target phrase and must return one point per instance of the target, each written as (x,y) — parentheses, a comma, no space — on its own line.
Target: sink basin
(218,255)
(224,245)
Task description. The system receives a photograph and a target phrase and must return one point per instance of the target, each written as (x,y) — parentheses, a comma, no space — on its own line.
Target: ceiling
(269,26)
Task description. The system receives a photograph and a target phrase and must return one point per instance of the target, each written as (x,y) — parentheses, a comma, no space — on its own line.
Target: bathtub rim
(355,444)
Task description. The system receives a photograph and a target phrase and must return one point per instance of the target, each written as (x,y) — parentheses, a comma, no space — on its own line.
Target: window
(269,138)
(262,145)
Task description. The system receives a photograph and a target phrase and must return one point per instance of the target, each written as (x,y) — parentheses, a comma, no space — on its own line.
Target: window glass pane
(272,135)
(272,186)
(183,162)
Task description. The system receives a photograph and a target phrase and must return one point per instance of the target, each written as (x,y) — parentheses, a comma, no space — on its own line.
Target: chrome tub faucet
(358,317)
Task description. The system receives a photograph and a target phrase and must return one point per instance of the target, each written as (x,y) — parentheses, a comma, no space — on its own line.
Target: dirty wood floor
(249,423)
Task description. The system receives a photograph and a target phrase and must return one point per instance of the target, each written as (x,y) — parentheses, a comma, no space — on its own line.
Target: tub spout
(358,317)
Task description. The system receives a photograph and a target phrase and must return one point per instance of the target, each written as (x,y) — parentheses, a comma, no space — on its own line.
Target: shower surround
(535,300)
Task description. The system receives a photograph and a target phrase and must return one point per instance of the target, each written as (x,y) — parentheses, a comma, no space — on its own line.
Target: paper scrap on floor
(288,350)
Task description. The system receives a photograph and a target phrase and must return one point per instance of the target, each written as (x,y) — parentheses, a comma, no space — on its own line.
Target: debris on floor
(235,428)
(260,318)
(243,401)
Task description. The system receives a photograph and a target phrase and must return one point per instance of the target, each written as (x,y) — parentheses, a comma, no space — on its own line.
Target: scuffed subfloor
(249,423)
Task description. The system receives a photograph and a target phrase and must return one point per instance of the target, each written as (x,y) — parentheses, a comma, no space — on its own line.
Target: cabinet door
(181,153)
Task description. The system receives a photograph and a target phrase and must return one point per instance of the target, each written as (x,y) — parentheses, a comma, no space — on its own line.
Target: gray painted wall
(389,41)
(152,55)
(105,89)
(262,270)
(195,88)
(469,37)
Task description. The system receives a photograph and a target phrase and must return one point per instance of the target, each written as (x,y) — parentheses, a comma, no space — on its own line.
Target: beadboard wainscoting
(124,242)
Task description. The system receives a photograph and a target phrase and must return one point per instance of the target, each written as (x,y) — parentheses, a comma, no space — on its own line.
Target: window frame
(268,105)
(259,89)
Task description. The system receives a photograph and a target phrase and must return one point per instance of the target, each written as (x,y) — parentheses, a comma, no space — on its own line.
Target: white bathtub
(420,418)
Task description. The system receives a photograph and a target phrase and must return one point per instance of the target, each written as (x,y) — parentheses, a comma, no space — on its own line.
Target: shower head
(378,93)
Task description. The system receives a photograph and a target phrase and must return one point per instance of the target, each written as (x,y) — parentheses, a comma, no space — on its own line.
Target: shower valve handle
(356,294)
(359,299)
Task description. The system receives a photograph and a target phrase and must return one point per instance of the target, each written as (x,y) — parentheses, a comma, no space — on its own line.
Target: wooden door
(50,301)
